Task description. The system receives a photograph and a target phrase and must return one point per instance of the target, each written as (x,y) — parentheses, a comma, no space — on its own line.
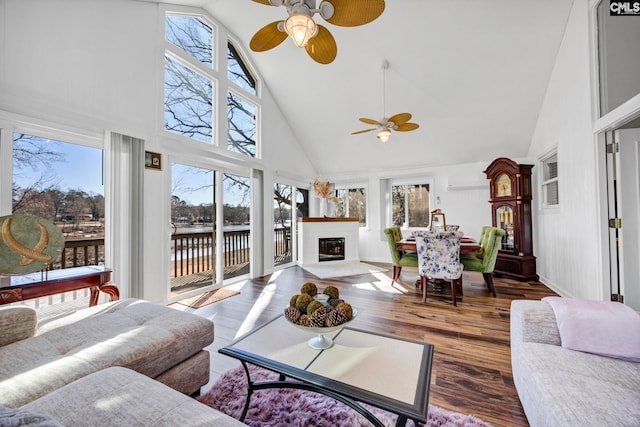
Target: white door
(629,208)
(623,173)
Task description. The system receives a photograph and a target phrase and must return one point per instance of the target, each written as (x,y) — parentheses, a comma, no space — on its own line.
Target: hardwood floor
(472,366)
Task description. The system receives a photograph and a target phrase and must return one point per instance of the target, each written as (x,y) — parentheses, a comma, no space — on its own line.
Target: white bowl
(325,329)
(321,342)
(322,298)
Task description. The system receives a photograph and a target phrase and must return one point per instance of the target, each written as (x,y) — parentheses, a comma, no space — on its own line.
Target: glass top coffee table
(361,367)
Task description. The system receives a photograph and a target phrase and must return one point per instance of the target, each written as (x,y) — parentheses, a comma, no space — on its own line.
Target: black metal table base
(281,383)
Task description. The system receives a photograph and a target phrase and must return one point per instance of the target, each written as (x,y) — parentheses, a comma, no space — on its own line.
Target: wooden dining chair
(439,258)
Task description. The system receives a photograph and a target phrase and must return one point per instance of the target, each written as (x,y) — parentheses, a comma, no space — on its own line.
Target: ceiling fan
(305,32)
(398,122)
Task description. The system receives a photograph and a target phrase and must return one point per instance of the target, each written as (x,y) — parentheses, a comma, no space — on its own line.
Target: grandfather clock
(510,186)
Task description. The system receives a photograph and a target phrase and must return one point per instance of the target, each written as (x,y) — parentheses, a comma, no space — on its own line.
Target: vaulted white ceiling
(472,72)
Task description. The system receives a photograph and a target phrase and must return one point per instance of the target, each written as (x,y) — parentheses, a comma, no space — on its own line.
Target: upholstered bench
(154,340)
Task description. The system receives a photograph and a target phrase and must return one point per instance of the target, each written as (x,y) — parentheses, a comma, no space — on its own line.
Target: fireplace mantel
(312,229)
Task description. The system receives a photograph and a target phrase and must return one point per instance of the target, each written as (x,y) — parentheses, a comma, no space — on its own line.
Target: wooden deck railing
(77,253)
(190,252)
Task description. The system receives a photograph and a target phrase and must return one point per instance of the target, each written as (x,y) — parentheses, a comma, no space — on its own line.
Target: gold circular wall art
(28,244)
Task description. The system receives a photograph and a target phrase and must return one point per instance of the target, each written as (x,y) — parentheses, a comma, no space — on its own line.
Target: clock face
(503,186)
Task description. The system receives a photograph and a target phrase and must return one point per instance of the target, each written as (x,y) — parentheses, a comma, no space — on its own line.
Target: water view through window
(192,241)
(62,182)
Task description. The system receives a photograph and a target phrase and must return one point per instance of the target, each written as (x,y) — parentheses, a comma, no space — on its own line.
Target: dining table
(467,245)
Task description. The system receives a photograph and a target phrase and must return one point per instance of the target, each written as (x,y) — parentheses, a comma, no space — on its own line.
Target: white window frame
(545,183)
(217,74)
(12,123)
(347,187)
(430,181)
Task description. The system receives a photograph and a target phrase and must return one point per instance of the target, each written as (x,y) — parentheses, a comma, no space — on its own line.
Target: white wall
(466,206)
(567,239)
(86,64)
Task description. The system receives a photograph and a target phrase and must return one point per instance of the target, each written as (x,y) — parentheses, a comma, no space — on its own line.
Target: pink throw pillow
(605,328)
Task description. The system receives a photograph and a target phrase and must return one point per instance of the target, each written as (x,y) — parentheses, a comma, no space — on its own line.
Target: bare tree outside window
(410,205)
(282,217)
(352,202)
(238,72)
(192,35)
(189,104)
(241,115)
(61,182)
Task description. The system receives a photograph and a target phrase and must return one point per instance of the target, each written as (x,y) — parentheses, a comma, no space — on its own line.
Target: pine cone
(336,317)
(292,313)
(304,320)
(319,316)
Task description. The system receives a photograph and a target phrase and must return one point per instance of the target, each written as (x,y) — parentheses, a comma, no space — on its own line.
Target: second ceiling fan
(305,32)
(398,122)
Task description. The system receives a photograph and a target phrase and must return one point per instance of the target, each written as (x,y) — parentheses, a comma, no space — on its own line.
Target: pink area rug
(300,408)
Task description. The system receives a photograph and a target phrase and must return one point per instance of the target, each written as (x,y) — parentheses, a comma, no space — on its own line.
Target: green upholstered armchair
(399,259)
(485,262)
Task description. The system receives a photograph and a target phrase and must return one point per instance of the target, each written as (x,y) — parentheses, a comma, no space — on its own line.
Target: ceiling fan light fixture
(384,135)
(301,28)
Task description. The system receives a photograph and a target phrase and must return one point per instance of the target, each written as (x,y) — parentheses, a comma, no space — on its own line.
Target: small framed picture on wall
(152,160)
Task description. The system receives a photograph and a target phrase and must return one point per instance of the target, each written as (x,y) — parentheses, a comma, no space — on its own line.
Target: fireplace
(318,238)
(331,249)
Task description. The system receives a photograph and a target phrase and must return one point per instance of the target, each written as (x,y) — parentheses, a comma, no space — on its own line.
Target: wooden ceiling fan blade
(362,131)
(322,48)
(405,127)
(265,2)
(370,121)
(400,118)
(351,13)
(267,37)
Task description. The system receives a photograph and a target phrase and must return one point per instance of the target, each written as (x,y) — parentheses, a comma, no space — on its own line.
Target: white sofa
(80,370)
(116,397)
(154,340)
(562,387)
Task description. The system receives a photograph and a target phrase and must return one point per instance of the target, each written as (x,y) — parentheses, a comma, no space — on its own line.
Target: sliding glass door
(237,225)
(281,224)
(193,224)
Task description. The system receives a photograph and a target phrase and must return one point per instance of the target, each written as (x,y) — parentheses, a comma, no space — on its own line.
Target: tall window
(241,112)
(241,115)
(352,203)
(410,205)
(200,86)
(62,182)
(192,35)
(188,82)
(282,216)
(238,72)
(549,166)
(237,225)
(192,85)
(193,221)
